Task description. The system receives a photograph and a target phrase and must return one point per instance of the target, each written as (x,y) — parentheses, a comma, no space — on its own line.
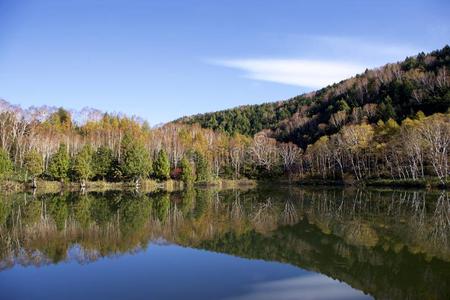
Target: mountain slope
(399,90)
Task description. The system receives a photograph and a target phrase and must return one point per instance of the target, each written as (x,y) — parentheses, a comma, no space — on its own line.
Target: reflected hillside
(390,244)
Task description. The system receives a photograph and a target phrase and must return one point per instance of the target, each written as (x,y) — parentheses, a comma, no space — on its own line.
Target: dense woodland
(390,123)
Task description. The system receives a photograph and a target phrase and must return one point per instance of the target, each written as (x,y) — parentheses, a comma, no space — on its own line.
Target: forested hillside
(390,123)
(396,91)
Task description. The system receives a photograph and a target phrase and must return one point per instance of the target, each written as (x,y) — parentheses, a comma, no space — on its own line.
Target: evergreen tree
(187,175)
(202,167)
(135,161)
(212,123)
(161,166)
(34,163)
(6,165)
(343,105)
(102,162)
(59,164)
(82,164)
(386,109)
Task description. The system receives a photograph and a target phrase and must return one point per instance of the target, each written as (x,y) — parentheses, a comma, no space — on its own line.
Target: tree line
(119,148)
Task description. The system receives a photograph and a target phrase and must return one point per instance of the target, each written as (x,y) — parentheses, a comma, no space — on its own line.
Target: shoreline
(147,185)
(429,183)
(150,185)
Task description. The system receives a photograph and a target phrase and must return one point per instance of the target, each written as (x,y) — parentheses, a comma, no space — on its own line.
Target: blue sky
(161,60)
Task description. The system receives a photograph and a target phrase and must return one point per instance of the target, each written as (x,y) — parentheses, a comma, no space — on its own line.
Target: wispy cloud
(322,60)
(298,72)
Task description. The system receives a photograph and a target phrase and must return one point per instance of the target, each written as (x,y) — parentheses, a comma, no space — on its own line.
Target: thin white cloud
(299,72)
(324,60)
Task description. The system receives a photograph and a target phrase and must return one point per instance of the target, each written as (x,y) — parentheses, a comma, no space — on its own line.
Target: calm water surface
(265,243)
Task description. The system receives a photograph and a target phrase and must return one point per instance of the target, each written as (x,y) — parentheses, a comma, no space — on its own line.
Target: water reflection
(306,287)
(389,244)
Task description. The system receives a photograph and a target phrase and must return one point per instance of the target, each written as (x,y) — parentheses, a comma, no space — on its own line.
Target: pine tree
(202,167)
(82,165)
(135,161)
(59,164)
(34,163)
(102,162)
(187,175)
(161,166)
(386,109)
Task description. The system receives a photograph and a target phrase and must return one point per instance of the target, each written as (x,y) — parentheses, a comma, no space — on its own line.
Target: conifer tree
(34,163)
(59,164)
(102,162)
(135,162)
(187,175)
(82,165)
(161,166)
(202,168)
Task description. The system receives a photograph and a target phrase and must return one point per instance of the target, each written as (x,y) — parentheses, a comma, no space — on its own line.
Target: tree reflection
(359,236)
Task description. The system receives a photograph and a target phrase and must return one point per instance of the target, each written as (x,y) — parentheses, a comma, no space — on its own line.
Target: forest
(390,124)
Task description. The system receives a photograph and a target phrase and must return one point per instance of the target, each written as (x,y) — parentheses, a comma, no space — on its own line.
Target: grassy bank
(148,185)
(228,183)
(45,186)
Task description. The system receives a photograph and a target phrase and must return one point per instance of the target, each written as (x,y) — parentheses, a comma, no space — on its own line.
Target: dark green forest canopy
(398,90)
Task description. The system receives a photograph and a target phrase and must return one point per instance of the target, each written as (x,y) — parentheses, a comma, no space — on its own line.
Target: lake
(263,243)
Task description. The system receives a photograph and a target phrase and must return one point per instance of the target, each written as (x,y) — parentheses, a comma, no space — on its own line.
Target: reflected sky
(171,272)
(306,286)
